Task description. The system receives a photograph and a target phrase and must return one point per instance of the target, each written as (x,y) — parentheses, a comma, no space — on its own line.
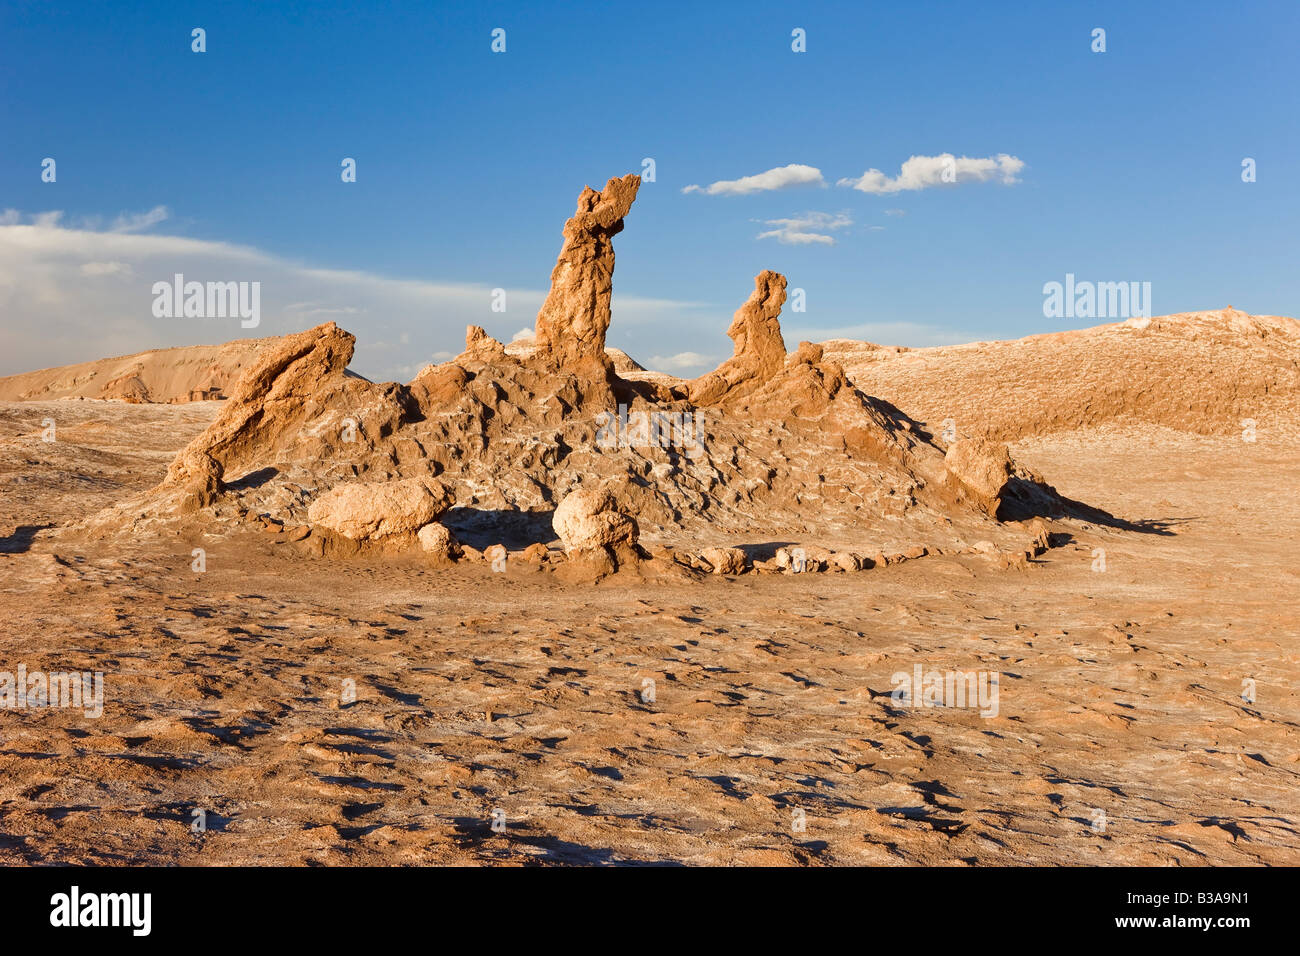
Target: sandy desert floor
(1122,734)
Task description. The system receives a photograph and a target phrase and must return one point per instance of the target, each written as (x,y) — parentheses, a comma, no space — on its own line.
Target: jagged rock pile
(768,444)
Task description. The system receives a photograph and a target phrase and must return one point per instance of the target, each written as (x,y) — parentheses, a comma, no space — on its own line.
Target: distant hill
(183,374)
(1201,372)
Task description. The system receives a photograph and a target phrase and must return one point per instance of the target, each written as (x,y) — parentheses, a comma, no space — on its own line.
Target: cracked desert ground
(1121,691)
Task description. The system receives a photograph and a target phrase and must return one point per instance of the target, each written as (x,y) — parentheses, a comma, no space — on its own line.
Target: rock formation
(759,349)
(768,444)
(272,399)
(573,320)
(982,468)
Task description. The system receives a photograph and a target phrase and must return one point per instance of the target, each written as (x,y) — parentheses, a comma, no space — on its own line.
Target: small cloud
(523,334)
(305,309)
(922,172)
(10,217)
(137,221)
(682,361)
(780,177)
(106,269)
(47,220)
(876,228)
(443,356)
(804,229)
(895,212)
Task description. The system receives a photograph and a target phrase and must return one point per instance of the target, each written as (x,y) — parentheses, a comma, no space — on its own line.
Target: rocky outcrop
(767,446)
(482,346)
(982,469)
(759,350)
(573,320)
(365,511)
(271,400)
(127,388)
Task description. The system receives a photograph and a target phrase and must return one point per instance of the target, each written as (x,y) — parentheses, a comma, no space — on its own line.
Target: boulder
(981,468)
(587,520)
(365,510)
(725,560)
(438,542)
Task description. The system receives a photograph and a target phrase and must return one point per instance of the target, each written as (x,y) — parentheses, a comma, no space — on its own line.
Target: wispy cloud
(806,229)
(922,172)
(781,177)
(135,222)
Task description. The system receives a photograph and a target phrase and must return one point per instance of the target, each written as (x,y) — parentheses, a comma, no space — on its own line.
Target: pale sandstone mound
(770,445)
(1201,372)
(759,348)
(184,374)
(367,510)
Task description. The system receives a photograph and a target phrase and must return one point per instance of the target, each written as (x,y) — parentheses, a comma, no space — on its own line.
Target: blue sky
(468,163)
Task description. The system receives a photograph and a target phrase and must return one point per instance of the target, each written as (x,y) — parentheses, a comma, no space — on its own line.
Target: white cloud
(318,309)
(681,362)
(806,229)
(528,332)
(138,221)
(76,294)
(781,177)
(895,212)
(922,172)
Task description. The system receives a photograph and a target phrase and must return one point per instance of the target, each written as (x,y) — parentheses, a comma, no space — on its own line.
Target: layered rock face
(769,444)
(573,320)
